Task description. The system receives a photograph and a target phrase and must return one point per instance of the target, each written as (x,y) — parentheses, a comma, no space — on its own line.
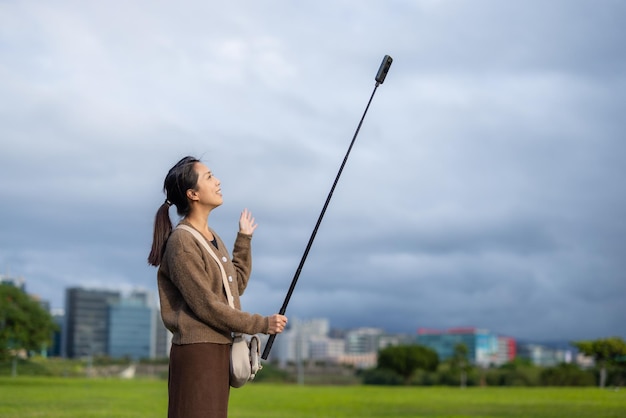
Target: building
(390,340)
(131,327)
(363,340)
(484,348)
(541,355)
(294,344)
(86,330)
(163,337)
(312,340)
(326,349)
(507,350)
(106,323)
(360,361)
(58,315)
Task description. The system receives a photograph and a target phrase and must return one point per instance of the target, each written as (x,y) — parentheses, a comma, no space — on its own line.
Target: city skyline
(104,322)
(151,301)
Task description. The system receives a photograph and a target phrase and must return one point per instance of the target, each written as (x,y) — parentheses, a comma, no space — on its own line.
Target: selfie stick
(380,78)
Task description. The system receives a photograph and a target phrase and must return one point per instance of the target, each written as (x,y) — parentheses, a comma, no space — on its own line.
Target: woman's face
(208,191)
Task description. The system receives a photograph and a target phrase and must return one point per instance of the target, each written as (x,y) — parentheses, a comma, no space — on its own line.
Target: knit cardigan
(194,306)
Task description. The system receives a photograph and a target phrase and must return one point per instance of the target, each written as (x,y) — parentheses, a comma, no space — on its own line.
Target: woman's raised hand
(247,225)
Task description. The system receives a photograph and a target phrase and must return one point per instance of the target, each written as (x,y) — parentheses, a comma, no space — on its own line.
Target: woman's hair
(179,179)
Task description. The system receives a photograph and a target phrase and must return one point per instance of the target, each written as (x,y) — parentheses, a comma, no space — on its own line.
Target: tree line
(418,365)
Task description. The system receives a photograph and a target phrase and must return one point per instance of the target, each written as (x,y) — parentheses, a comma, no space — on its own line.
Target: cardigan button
(224,259)
(230,279)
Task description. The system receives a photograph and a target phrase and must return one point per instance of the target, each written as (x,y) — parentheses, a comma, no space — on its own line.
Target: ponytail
(162,231)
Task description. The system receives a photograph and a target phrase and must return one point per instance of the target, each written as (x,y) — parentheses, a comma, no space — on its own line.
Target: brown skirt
(198,384)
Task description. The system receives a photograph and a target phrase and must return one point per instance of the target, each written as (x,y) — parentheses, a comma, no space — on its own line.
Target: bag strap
(206,246)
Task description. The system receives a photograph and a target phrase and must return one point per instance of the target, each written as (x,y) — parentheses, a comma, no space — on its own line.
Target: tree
(24,324)
(566,374)
(460,363)
(605,351)
(405,360)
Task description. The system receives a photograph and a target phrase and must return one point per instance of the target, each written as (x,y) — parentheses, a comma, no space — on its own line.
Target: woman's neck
(200,221)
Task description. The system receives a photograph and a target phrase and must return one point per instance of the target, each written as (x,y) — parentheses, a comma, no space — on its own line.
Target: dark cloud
(484,188)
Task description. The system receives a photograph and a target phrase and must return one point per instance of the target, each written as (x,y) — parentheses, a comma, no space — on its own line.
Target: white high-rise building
(294,344)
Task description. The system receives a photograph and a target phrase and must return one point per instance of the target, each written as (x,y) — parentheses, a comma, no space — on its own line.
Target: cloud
(483,189)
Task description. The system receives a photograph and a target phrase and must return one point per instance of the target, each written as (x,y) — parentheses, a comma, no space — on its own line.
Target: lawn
(77,397)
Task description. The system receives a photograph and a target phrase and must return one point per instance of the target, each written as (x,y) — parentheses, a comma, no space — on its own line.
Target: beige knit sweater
(194,306)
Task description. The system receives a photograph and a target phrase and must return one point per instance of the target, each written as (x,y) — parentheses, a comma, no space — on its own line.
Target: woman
(194,306)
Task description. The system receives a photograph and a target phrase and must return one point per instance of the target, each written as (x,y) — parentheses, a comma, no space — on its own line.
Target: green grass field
(25,397)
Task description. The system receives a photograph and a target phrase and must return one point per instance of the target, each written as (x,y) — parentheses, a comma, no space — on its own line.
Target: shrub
(382,377)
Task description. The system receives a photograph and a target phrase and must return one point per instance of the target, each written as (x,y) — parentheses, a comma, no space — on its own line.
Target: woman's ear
(192,194)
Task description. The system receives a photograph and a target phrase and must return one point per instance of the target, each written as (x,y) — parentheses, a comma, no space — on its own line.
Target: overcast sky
(485,188)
